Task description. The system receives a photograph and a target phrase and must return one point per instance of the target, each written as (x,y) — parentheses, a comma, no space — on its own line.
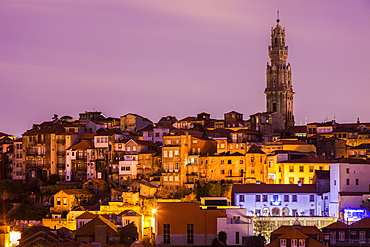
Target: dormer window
(293,243)
(283,242)
(302,242)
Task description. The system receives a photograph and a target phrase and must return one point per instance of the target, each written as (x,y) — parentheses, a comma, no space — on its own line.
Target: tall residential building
(279,89)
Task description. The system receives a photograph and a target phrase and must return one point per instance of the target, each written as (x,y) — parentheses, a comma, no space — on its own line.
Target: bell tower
(279,89)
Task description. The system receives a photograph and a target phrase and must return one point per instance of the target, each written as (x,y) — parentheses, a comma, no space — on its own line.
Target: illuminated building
(279,88)
(349,186)
(296,236)
(198,224)
(133,122)
(341,234)
(278,199)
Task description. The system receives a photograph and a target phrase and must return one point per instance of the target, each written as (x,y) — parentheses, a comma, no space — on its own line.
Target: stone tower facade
(279,89)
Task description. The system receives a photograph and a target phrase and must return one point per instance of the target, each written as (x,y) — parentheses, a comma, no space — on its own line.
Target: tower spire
(279,87)
(278,15)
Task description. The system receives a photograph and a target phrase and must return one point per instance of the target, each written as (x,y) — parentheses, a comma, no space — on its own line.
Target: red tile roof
(363,223)
(336,225)
(82,145)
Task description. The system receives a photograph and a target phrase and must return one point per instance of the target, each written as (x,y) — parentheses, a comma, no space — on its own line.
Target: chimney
(299,183)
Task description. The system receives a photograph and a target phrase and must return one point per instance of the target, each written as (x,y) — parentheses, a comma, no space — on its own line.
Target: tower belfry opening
(279,88)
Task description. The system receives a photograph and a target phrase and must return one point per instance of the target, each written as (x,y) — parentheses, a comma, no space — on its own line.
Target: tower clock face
(274,68)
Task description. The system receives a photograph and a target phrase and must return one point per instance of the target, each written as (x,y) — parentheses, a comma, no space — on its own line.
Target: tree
(210,189)
(53,179)
(128,234)
(263,226)
(254,241)
(220,240)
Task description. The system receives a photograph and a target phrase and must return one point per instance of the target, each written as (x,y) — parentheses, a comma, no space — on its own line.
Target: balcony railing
(31,152)
(61,165)
(81,157)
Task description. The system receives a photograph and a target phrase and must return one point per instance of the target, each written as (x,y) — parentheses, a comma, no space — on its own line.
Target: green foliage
(11,187)
(52,189)
(212,189)
(29,211)
(263,226)
(53,179)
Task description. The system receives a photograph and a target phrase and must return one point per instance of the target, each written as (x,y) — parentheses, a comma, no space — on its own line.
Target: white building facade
(278,199)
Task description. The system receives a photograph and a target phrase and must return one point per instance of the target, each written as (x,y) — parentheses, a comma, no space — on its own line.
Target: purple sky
(157,58)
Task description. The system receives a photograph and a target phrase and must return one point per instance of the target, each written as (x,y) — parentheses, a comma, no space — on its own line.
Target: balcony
(30,164)
(192,174)
(61,165)
(31,153)
(61,141)
(81,157)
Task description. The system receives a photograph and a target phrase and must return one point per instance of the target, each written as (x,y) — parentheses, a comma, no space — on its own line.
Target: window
(362,237)
(241,198)
(241,162)
(258,212)
(237,237)
(222,171)
(294,198)
(333,238)
(357,181)
(347,181)
(166,234)
(170,153)
(229,162)
(222,162)
(293,242)
(282,242)
(302,242)
(64,200)
(312,212)
(176,153)
(312,198)
(291,168)
(347,170)
(58,201)
(264,198)
(190,234)
(294,212)
(252,159)
(301,169)
(341,236)
(311,168)
(286,198)
(258,198)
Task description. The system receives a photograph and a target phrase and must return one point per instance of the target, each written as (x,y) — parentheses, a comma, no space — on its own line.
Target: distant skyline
(158,58)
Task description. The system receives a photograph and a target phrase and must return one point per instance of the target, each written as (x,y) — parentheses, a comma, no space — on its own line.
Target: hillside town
(243,180)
